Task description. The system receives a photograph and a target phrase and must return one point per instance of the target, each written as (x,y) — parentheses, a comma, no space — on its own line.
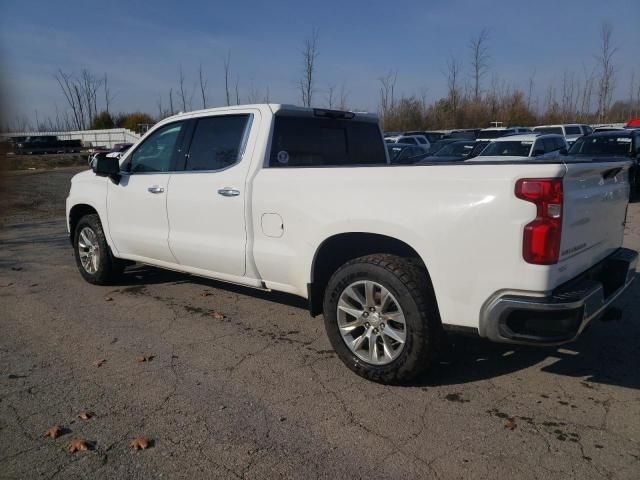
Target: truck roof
(282,108)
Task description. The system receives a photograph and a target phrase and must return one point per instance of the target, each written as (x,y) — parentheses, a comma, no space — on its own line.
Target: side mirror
(107,167)
(538,152)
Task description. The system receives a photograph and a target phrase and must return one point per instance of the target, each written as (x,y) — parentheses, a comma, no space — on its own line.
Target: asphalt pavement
(227,382)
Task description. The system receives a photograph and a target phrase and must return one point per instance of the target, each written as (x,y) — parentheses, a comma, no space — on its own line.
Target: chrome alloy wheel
(89,250)
(371,322)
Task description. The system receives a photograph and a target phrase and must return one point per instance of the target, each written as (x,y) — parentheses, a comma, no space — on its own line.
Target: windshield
(556,130)
(503,149)
(494,133)
(456,149)
(478,148)
(609,145)
(394,151)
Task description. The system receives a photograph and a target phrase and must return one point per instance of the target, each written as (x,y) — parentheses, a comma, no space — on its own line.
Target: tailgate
(595,204)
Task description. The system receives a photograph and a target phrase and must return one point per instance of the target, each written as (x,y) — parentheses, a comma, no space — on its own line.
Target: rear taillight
(541,242)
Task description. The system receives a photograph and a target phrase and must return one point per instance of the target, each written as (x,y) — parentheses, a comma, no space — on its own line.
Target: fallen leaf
(16,269)
(53,432)
(145,358)
(99,362)
(78,445)
(206,294)
(108,299)
(7,285)
(140,443)
(218,315)
(511,425)
(86,415)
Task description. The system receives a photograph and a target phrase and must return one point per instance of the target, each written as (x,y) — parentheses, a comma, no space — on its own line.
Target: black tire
(409,284)
(109,268)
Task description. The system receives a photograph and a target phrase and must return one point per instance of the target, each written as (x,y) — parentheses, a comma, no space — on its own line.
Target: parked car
(419,140)
(435,147)
(479,148)
(468,133)
(497,132)
(405,153)
(611,144)
(303,201)
(43,144)
(431,136)
(452,152)
(571,132)
(633,123)
(524,147)
(117,151)
(607,128)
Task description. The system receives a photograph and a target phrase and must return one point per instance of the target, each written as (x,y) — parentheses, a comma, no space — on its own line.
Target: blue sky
(142,44)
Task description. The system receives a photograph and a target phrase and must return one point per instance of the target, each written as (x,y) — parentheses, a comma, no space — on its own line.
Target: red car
(633,123)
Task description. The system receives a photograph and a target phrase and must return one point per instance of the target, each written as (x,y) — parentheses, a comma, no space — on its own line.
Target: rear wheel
(381,318)
(94,259)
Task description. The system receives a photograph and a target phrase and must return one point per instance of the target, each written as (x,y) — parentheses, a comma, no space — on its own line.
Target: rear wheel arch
(341,248)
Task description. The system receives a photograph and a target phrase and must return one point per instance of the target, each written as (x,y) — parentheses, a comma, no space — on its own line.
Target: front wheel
(94,259)
(381,318)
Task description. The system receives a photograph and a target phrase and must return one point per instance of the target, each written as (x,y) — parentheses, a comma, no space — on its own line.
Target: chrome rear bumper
(560,317)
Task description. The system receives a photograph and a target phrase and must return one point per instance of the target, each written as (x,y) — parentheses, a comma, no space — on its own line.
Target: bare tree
(632,92)
(254,95)
(532,78)
(331,90)
(387,92)
(267,95)
(237,88)
(90,85)
(344,97)
(183,93)
(107,94)
(309,56)
(479,61)
(203,86)
(171,101)
(69,90)
(606,82)
(586,95)
(454,70)
(227,72)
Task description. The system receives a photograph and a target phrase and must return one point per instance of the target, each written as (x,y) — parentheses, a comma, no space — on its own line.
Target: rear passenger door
(207,199)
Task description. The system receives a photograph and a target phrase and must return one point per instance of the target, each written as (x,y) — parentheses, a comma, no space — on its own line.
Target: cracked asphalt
(260,394)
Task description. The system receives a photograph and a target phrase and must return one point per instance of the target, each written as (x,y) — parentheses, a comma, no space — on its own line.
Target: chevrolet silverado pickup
(306,201)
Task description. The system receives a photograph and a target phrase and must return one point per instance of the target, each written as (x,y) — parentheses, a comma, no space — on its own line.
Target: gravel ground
(260,394)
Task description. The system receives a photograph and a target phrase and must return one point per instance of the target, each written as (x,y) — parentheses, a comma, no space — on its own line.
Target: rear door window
(575,130)
(217,142)
(315,142)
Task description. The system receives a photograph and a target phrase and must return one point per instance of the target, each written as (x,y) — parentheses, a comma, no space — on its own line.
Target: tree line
(475,95)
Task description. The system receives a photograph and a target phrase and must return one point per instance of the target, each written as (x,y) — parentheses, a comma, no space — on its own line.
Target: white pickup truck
(305,201)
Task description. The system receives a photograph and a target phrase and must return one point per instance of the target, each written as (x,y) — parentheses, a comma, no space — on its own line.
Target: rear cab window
(310,141)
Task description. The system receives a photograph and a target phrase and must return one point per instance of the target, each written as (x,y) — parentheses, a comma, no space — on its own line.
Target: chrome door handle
(155,189)
(228,192)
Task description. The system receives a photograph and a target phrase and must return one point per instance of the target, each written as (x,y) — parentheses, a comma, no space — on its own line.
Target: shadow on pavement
(606,352)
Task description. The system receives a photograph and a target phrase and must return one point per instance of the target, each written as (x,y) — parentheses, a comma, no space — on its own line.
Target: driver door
(137,205)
